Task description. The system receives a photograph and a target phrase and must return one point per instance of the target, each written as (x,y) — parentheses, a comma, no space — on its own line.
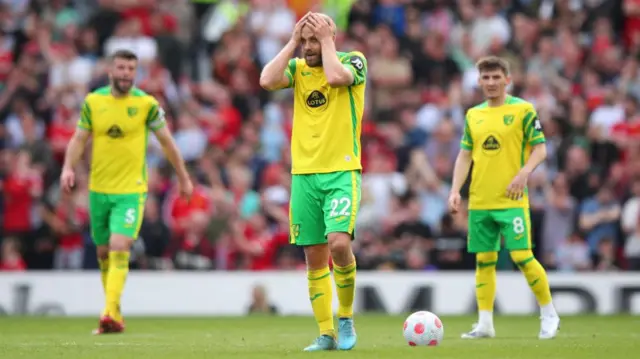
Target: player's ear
(508,81)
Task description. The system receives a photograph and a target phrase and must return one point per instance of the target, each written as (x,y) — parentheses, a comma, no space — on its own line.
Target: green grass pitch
(581,337)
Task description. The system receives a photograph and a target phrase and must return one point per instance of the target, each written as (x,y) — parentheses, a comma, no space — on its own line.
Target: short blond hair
(329,21)
(492,63)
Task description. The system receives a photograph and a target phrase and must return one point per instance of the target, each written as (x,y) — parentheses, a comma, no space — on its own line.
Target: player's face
(493,83)
(311,48)
(123,72)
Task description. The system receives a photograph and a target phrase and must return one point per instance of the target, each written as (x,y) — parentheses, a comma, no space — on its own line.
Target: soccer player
(329,88)
(118,118)
(504,139)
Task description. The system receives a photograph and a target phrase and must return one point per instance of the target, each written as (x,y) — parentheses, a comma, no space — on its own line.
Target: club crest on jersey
(115,132)
(295,230)
(491,145)
(132,111)
(508,119)
(316,99)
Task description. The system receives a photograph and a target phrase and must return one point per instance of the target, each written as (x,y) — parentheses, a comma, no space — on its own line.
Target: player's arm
(463,161)
(347,70)
(535,138)
(157,123)
(280,72)
(339,71)
(337,74)
(78,141)
(170,150)
(75,148)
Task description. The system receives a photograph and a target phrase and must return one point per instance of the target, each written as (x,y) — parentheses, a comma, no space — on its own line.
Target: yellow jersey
(500,140)
(326,121)
(120,128)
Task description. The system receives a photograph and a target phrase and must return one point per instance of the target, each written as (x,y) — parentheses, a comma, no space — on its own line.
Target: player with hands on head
(119,118)
(503,138)
(328,89)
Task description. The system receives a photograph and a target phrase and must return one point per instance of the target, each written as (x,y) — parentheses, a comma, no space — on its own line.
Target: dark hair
(124,54)
(492,63)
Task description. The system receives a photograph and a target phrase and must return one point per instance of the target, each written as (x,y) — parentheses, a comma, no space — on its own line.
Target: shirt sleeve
(357,64)
(156,117)
(290,72)
(532,127)
(85,117)
(466,143)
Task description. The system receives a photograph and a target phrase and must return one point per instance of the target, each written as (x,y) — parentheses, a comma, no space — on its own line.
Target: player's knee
(102,252)
(339,243)
(317,257)
(120,243)
(522,257)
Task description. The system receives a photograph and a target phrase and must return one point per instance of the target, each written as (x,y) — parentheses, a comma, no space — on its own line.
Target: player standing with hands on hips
(329,88)
(119,117)
(504,139)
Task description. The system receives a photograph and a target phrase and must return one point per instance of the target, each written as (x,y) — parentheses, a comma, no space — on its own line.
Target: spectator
(22,187)
(202,63)
(68,220)
(599,217)
(155,234)
(571,255)
(10,258)
(451,247)
(630,223)
(559,217)
(260,303)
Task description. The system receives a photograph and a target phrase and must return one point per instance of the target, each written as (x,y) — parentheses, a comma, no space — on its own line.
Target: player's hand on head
(515,191)
(454,202)
(321,25)
(67,180)
(297,30)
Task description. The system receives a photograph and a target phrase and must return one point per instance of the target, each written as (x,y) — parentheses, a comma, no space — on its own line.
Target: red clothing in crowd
(270,243)
(178,208)
(16,264)
(229,131)
(81,217)
(629,131)
(632,25)
(18,202)
(6,60)
(60,131)
(142,14)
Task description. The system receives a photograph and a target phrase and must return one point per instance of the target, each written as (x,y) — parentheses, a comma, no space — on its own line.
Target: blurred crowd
(575,60)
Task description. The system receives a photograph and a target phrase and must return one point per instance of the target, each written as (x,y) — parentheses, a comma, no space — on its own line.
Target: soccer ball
(423,329)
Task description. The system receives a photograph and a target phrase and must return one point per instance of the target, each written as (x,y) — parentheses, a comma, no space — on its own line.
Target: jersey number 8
(518,225)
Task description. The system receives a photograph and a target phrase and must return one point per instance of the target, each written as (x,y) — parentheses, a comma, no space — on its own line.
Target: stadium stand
(577,61)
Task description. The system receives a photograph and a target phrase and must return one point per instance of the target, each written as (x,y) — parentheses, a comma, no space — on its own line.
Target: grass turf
(581,337)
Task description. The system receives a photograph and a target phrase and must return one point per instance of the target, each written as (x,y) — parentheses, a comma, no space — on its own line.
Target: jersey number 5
(130,216)
(344,203)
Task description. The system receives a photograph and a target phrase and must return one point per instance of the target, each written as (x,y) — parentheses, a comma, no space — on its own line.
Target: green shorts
(321,204)
(486,227)
(115,213)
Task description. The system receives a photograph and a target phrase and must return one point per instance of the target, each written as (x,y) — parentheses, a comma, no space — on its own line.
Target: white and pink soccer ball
(423,329)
